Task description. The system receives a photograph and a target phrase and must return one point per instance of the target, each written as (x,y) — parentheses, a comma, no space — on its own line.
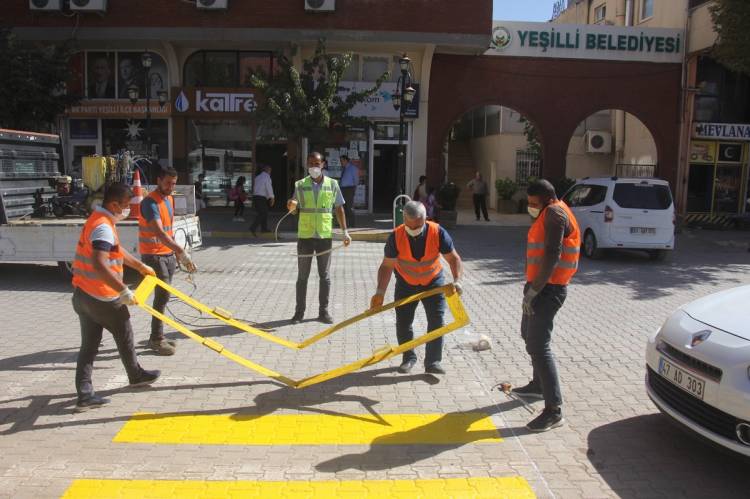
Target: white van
(628,213)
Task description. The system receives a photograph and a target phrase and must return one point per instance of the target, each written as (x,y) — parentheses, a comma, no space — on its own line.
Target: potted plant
(447,197)
(505,188)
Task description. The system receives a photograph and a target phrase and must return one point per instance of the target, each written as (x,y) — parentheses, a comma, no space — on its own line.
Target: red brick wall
(426,16)
(555,95)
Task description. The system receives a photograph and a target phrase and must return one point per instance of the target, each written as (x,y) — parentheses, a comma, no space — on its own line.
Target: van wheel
(66,269)
(657,255)
(590,247)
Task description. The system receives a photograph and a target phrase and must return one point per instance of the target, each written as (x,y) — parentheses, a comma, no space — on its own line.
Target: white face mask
(414,232)
(534,212)
(123,214)
(315,172)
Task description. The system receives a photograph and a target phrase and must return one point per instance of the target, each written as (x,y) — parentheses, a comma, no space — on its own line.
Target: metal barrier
(460,319)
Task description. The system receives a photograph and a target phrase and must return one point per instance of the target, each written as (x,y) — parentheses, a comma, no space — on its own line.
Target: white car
(627,213)
(698,368)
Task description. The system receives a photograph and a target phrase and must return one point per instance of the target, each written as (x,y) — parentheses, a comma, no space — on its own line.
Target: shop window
(724,95)
(209,68)
(223,150)
(108,75)
(374,67)
(351,73)
(647,9)
(600,13)
(137,135)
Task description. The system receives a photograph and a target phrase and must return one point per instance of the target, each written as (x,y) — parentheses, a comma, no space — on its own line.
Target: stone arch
(556,94)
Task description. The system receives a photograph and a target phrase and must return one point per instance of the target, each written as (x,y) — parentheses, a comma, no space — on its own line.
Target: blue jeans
(536,331)
(434,307)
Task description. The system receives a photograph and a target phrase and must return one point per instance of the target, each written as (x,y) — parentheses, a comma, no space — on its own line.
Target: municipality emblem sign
(500,38)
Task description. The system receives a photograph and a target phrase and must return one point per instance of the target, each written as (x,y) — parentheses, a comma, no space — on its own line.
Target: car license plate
(642,230)
(691,384)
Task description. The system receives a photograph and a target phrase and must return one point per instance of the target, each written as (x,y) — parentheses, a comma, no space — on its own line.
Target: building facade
(200,55)
(713,181)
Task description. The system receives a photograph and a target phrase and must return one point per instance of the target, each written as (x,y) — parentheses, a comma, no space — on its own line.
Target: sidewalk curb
(370,236)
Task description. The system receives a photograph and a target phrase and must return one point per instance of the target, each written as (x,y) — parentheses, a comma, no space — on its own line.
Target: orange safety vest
(85,276)
(571,249)
(148,238)
(418,272)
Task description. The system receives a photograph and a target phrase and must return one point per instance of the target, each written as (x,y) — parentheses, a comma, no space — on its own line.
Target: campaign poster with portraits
(100,75)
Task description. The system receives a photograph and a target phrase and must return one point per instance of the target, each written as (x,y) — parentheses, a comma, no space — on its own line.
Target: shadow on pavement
(650,456)
(36,361)
(33,277)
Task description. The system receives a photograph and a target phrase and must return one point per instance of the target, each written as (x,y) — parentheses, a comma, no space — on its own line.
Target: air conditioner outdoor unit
(212,4)
(45,4)
(88,5)
(598,142)
(320,5)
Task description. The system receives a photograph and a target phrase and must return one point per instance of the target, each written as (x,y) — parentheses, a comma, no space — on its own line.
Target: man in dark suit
(101,83)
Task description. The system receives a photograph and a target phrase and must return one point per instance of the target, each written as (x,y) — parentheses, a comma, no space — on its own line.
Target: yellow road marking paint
(460,319)
(309,429)
(495,488)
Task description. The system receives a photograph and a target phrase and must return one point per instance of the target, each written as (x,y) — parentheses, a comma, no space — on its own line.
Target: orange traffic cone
(135,201)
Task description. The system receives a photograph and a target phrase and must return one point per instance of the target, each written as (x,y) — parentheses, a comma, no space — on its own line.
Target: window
(600,13)
(373,67)
(585,195)
(643,196)
(647,9)
(208,68)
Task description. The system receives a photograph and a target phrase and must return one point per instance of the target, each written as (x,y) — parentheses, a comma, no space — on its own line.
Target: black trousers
(306,247)
(260,203)
(95,316)
(239,208)
(165,267)
(480,202)
(348,193)
(536,331)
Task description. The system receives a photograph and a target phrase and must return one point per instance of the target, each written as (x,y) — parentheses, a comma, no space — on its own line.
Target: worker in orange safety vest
(100,297)
(552,251)
(413,251)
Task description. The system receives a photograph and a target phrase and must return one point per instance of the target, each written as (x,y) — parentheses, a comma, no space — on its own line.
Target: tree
(32,85)
(307,104)
(532,141)
(731,19)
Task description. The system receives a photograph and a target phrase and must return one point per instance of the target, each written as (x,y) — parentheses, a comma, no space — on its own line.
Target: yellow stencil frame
(460,319)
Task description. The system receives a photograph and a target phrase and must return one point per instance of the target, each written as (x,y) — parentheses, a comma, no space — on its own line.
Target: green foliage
(448,195)
(307,102)
(562,185)
(731,19)
(32,83)
(505,188)
(532,139)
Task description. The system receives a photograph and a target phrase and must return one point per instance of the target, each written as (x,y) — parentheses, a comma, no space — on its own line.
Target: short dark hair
(167,172)
(117,192)
(542,188)
(314,154)
(422,178)
(345,157)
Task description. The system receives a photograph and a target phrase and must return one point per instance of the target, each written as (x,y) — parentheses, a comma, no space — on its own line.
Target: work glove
(459,289)
(126,297)
(528,297)
(291,205)
(147,270)
(347,238)
(377,300)
(186,262)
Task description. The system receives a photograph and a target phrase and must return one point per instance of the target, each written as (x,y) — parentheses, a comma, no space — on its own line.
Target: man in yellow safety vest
(316,196)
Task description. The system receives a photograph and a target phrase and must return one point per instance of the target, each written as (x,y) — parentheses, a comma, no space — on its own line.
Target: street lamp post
(146,62)
(402,102)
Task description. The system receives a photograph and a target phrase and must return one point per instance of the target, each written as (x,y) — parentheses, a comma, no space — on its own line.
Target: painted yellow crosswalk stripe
(495,488)
(315,429)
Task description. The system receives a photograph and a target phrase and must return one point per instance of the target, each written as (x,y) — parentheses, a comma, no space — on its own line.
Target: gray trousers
(95,316)
(536,331)
(306,247)
(164,266)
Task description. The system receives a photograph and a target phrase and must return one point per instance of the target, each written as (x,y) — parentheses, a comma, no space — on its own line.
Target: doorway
(274,155)
(384,176)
